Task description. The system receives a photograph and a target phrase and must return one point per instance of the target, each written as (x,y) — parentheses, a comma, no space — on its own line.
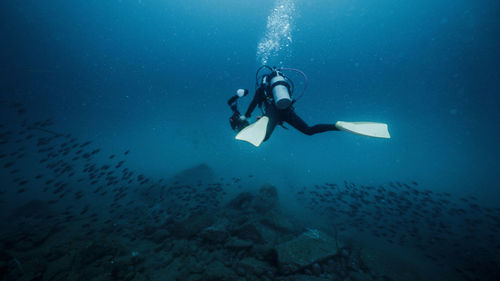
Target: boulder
(238,244)
(278,223)
(159,236)
(9,268)
(310,278)
(201,173)
(126,267)
(96,251)
(251,267)
(33,209)
(191,226)
(58,270)
(266,199)
(194,175)
(360,276)
(215,234)
(242,201)
(32,235)
(249,232)
(310,247)
(389,266)
(266,254)
(216,271)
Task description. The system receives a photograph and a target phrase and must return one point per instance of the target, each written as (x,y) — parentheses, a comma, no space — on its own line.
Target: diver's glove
(241,92)
(242,118)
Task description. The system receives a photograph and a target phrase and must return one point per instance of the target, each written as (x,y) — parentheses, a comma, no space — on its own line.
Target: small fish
(21,111)
(23,182)
(85,143)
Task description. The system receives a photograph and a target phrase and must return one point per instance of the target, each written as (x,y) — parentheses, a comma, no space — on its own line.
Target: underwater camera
(235,121)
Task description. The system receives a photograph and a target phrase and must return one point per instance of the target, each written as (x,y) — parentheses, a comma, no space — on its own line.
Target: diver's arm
(232,100)
(257,98)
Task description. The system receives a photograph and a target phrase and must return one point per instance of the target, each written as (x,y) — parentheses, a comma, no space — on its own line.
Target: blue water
(154,76)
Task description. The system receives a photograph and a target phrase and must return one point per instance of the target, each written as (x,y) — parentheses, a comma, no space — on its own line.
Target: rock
(54,254)
(316,269)
(125,268)
(331,266)
(150,230)
(240,271)
(241,202)
(266,199)
(179,248)
(216,271)
(310,247)
(389,266)
(191,176)
(191,226)
(159,236)
(196,268)
(33,209)
(249,232)
(9,268)
(266,254)
(32,236)
(309,278)
(59,270)
(194,277)
(100,250)
(94,252)
(238,244)
(140,277)
(360,276)
(214,235)
(250,266)
(278,223)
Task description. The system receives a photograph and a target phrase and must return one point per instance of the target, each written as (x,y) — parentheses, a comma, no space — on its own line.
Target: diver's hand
(243,118)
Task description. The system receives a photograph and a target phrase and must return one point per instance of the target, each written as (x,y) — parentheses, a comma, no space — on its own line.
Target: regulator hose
(305,79)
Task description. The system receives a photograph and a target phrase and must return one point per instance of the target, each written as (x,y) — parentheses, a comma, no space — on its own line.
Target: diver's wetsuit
(277,116)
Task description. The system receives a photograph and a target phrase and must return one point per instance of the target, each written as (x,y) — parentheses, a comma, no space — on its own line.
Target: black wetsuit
(278,116)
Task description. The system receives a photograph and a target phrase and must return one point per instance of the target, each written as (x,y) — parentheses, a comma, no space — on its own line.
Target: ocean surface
(118,162)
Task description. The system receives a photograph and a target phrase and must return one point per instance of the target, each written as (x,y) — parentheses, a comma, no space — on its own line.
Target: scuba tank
(280,88)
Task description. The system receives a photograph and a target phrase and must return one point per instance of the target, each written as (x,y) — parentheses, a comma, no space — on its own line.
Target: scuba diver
(273,95)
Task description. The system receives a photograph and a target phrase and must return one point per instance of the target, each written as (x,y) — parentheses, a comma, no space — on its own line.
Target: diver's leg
(293,119)
(273,115)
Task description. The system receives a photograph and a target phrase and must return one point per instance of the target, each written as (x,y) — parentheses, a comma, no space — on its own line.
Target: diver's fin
(255,132)
(370,129)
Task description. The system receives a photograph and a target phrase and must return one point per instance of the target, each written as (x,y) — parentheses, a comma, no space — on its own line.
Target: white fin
(255,132)
(370,129)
